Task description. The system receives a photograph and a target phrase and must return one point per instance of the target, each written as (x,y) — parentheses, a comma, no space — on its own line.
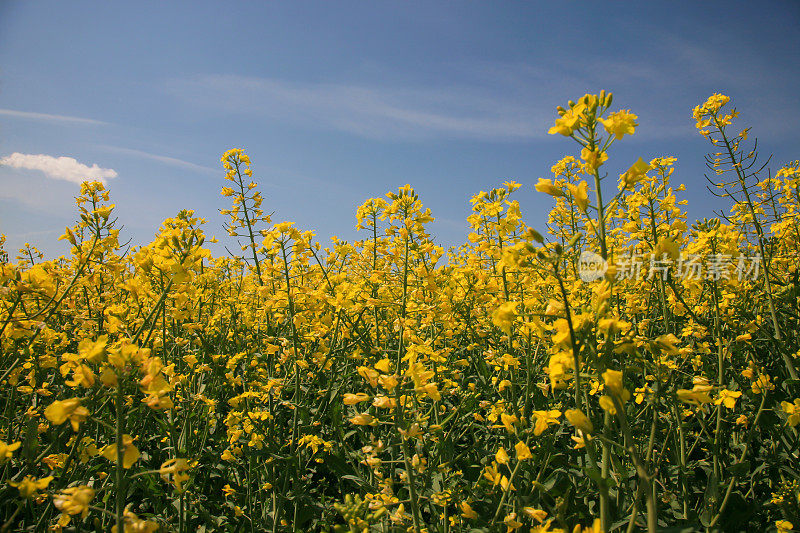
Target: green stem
(118,485)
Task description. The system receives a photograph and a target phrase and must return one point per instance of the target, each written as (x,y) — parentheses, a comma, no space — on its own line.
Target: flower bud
(575,238)
(535,235)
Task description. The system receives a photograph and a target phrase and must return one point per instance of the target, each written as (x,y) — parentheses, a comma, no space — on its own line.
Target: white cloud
(59,168)
(173,161)
(49,118)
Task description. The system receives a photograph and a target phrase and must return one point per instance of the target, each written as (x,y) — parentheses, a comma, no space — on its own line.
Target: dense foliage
(626,371)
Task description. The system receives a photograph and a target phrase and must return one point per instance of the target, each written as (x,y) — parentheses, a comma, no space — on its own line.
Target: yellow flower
(74,500)
(501,456)
(369,374)
(108,377)
(122,355)
(29,486)
(511,522)
(413,432)
(727,398)
(793,410)
(314,442)
(545,419)
(385,402)
(667,247)
(568,122)
(176,468)
(384,365)
(698,395)
(432,391)
(761,384)
(104,211)
(613,384)
(129,456)
(709,107)
(611,326)
(620,123)
(547,187)
(419,463)
(523,452)
(55,460)
(155,386)
(155,401)
(784,526)
(352,399)
(594,159)
(641,392)
(93,351)
(536,514)
(580,194)
(613,381)
(545,528)
(364,419)
(608,404)
(490,472)
(227,456)
(596,527)
(634,175)
(135,524)
(7,450)
(81,375)
(504,316)
(577,418)
(399,515)
(508,422)
(580,442)
(562,336)
(467,511)
(60,411)
(388,382)
(561,368)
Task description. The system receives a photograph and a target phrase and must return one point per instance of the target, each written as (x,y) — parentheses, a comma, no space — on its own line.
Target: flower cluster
(385,384)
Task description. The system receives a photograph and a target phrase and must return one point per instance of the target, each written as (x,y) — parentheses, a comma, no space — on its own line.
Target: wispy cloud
(50,118)
(507,101)
(167,160)
(494,102)
(59,168)
(370,111)
(29,234)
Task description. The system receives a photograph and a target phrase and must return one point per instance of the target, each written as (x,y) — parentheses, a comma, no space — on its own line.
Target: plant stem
(118,485)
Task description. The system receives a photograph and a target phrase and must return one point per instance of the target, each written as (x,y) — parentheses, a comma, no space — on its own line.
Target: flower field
(623,369)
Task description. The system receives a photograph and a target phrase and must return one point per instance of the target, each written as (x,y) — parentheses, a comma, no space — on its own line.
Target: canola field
(622,369)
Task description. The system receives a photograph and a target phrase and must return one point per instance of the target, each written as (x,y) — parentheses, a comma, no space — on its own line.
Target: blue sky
(337,102)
